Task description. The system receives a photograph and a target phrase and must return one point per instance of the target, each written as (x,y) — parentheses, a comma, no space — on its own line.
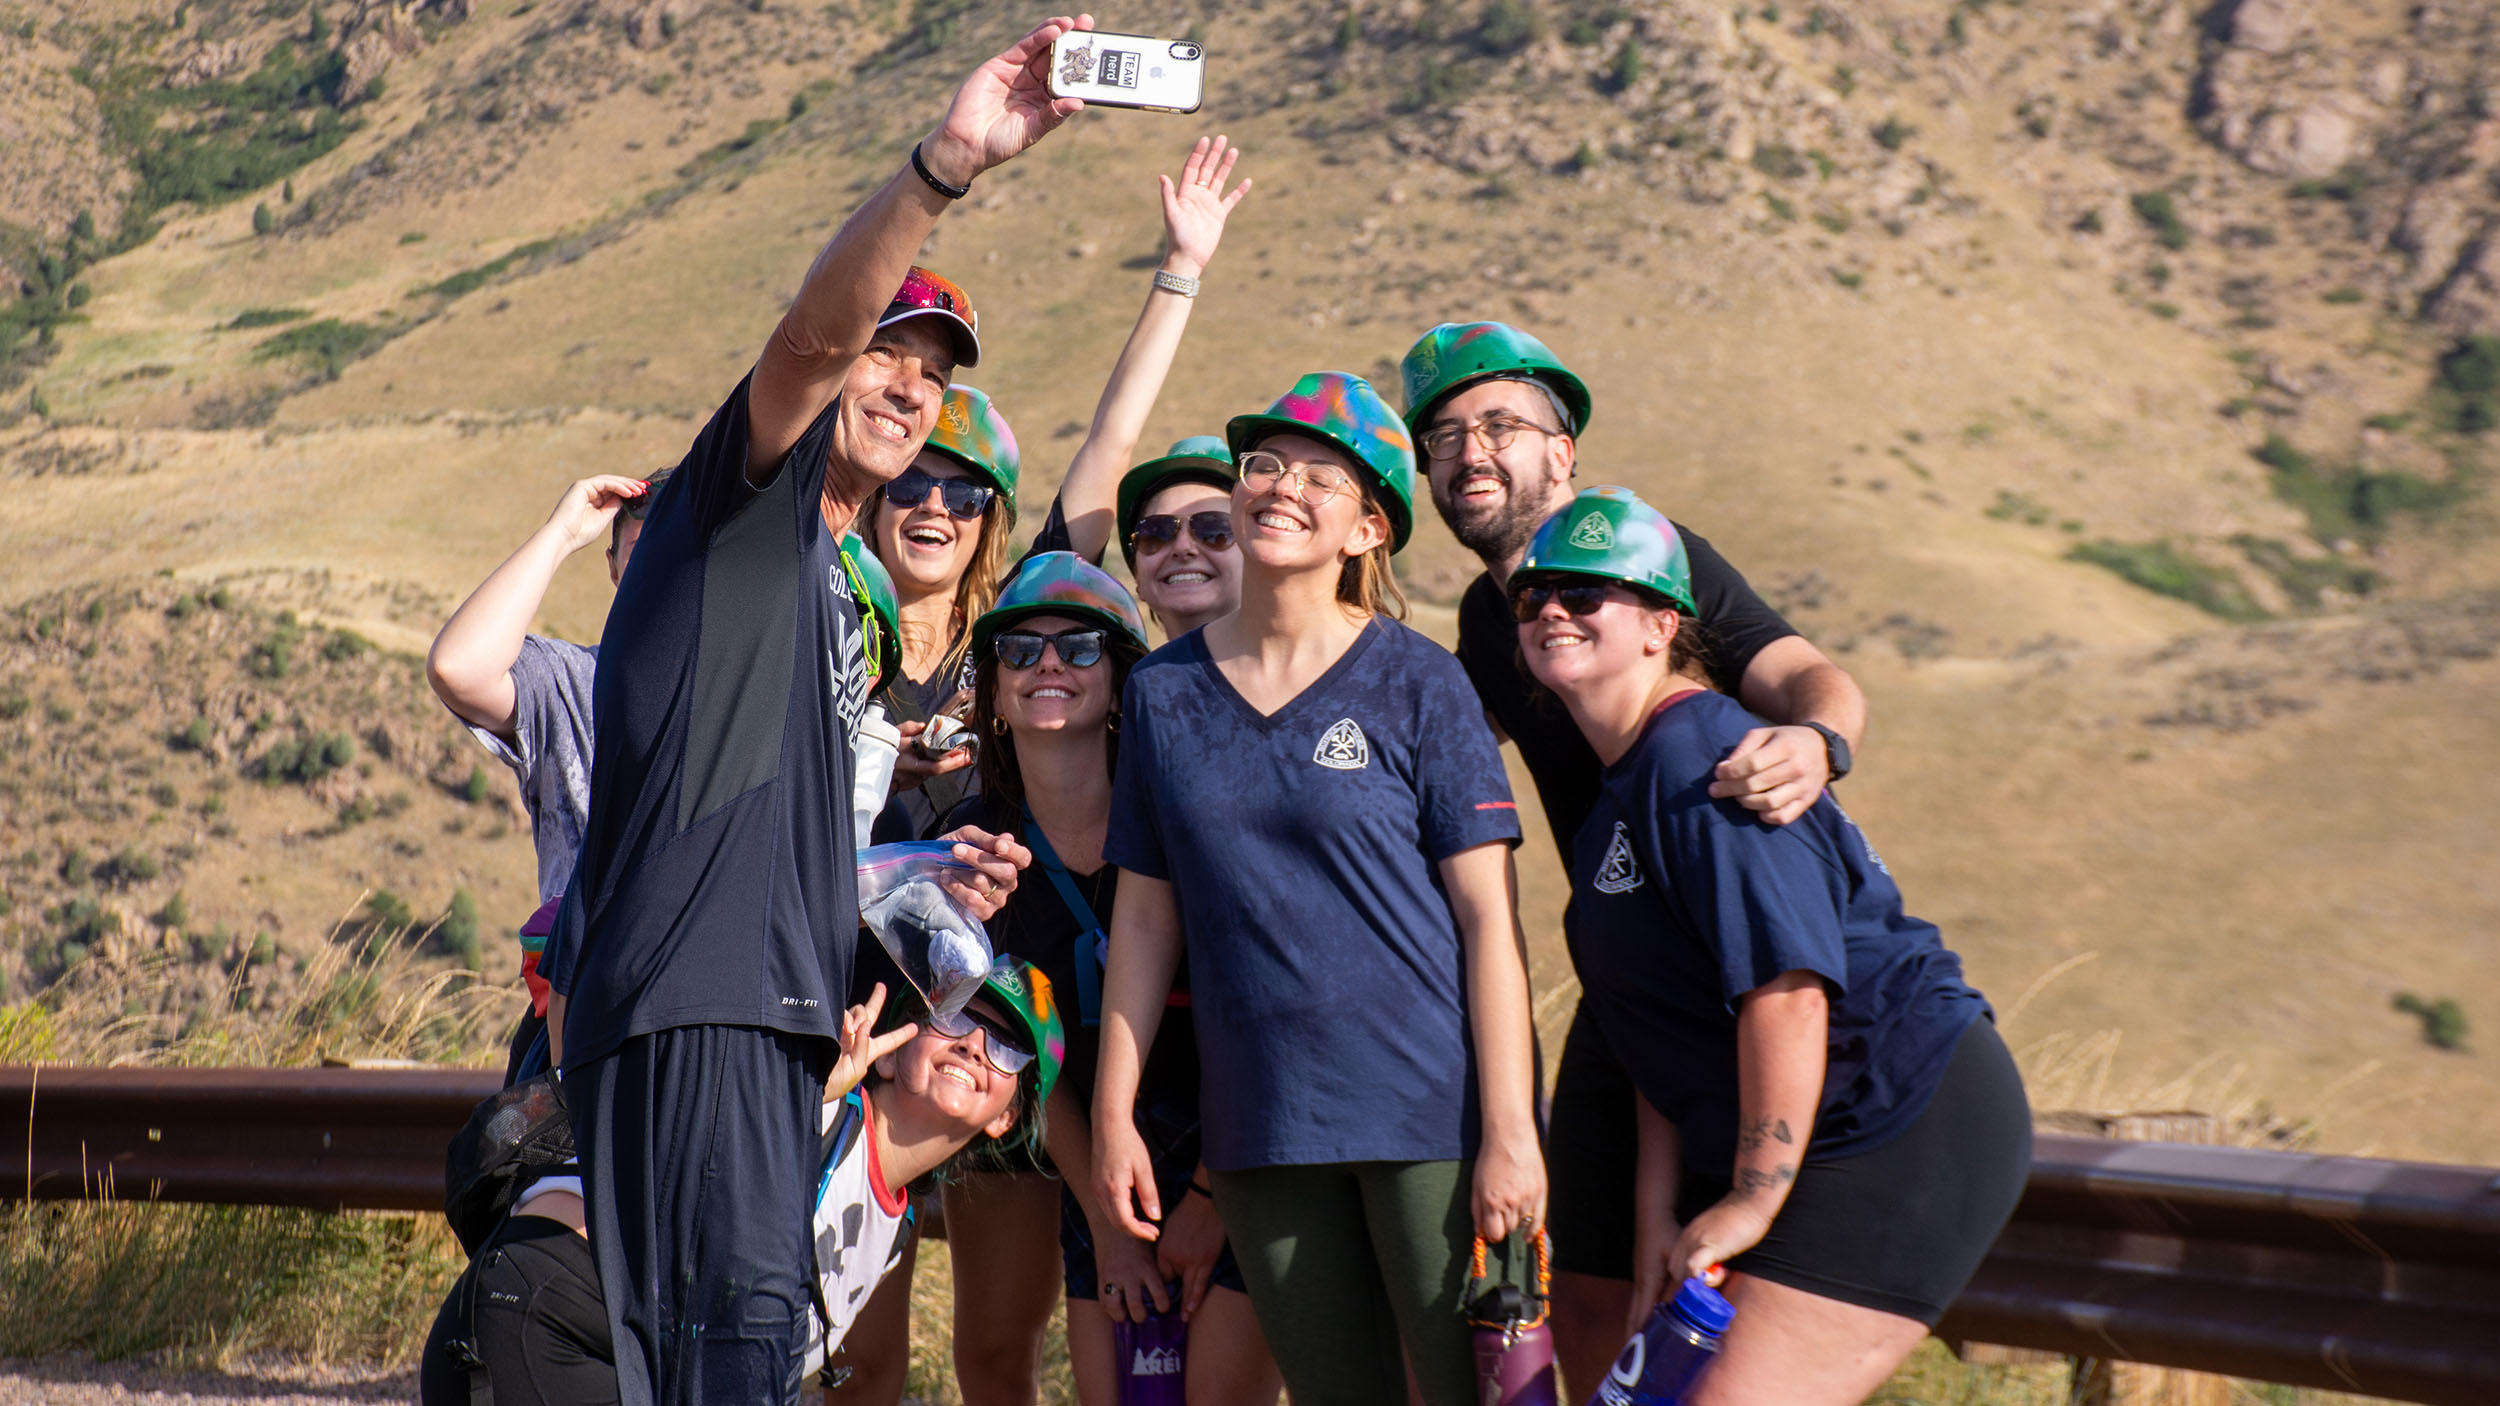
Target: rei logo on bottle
(1617,873)
(1343,747)
(1155,1362)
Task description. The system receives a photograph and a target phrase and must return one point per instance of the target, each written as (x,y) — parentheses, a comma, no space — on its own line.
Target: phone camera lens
(1185,51)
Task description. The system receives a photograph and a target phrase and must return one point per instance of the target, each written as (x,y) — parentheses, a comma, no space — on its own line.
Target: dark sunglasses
(1213,530)
(1528,602)
(1001,1045)
(1022,649)
(963,498)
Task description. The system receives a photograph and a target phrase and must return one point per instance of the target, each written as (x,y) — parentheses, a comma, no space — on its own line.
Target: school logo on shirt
(1343,747)
(1865,845)
(1617,873)
(1594,532)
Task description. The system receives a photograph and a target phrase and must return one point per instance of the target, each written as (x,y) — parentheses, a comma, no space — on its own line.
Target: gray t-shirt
(551,730)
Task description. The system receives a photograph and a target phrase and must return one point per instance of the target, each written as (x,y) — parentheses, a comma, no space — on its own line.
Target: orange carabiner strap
(1511,1296)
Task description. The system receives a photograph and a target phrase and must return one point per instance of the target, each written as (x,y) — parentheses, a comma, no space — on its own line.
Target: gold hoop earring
(1112,724)
(998,725)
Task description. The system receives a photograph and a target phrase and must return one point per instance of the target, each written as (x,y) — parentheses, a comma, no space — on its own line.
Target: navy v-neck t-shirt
(1681,904)
(715,884)
(1327,978)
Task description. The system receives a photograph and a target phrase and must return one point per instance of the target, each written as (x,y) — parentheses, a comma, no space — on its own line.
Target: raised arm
(1136,980)
(470,665)
(1509,1191)
(1194,210)
(1003,108)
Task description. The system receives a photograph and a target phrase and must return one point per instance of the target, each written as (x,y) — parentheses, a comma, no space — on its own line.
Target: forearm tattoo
(1761,1130)
(1752,1179)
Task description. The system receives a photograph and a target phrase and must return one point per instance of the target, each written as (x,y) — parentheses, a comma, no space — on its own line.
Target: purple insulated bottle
(1671,1350)
(1153,1355)
(1514,1345)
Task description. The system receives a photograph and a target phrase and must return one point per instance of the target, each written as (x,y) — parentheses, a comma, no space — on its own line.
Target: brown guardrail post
(2103,1381)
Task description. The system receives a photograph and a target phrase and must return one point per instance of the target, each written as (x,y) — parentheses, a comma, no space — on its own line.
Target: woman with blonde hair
(1309,802)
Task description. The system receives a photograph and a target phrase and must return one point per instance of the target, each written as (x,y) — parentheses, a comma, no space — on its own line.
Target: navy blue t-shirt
(1327,979)
(1681,904)
(716,883)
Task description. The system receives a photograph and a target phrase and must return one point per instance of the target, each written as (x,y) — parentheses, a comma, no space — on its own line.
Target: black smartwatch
(1835,749)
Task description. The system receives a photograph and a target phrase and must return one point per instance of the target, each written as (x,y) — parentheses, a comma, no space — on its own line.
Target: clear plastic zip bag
(942,949)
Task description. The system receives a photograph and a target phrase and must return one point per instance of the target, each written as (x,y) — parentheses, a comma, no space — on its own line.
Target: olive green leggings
(1344,1262)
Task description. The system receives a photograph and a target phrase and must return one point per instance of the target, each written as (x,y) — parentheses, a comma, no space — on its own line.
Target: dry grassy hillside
(1962,328)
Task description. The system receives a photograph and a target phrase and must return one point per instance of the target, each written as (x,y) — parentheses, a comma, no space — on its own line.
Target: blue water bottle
(1670,1351)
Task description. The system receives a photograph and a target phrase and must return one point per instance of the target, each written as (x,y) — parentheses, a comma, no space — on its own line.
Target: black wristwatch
(1835,749)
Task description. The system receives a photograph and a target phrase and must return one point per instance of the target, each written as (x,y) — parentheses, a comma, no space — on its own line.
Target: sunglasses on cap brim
(1001,1044)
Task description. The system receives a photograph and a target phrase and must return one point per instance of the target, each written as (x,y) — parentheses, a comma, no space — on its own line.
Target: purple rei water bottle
(1670,1351)
(1153,1356)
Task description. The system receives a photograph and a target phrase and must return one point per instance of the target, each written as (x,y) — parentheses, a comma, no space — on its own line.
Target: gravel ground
(74,1379)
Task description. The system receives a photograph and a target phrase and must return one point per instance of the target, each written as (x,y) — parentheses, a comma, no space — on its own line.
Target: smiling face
(889,400)
(1051,696)
(1280,532)
(925,548)
(1625,639)
(1494,500)
(953,1079)
(1187,583)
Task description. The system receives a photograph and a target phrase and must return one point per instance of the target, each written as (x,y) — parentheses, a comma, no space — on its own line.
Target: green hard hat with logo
(1025,996)
(1341,408)
(873,587)
(1609,533)
(971,432)
(1201,458)
(1061,583)
(1456,354)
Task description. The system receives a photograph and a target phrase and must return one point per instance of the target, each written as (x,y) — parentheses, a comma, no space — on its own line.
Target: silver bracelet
(1173,283)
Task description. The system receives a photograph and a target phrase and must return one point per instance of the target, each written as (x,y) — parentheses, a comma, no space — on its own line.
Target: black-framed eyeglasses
(1213,530)
(1266,473)
(1494,432)
(1001,1044)
(1527,602)
(963,498)
(1022,649)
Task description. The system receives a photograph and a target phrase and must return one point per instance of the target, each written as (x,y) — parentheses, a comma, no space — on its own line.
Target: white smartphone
(1129,70)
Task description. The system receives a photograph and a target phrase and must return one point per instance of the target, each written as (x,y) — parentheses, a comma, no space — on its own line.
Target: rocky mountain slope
(2103,383)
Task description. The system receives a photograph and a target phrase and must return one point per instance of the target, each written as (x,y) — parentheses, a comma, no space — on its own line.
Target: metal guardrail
(2347,1273)
(330,1139)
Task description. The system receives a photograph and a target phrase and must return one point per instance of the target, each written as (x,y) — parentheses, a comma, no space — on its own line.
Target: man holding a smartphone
(704,947)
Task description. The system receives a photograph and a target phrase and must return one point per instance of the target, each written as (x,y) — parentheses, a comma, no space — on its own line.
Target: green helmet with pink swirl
(1341,409)
(971,432)
(1610,534)
(1061,583)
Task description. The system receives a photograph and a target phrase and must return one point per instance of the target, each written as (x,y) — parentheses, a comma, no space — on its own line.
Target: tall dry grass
(211,1285)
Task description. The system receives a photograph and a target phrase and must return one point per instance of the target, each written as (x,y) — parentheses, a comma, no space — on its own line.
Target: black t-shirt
(1037,926)
(914,814)
(1558,758)
(715,884)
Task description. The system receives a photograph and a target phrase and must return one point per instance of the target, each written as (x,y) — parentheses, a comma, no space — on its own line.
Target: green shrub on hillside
(1508,27)
(307,759)
(468,281)
(2469,375)
(2350,502)
(2160,213)
(457,933)
(327,346)
(2163,569)
(2443,1020)
(214,142)
(265,317)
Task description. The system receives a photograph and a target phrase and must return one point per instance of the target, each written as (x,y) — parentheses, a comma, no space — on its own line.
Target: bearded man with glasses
(1496,417)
